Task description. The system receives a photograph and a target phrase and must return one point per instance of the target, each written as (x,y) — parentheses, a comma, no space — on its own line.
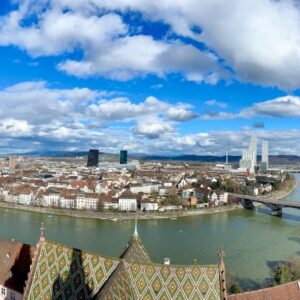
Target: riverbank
(114,216)
(119,216)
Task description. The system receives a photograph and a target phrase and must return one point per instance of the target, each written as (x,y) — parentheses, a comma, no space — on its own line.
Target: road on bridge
(266,200)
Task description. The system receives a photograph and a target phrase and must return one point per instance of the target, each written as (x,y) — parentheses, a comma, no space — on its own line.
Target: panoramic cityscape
(149,149)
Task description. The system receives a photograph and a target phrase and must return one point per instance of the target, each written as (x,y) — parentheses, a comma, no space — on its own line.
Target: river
(253,240)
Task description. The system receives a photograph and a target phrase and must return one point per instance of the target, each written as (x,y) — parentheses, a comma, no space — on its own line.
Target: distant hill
(55,153)
(274,159)
(204,158)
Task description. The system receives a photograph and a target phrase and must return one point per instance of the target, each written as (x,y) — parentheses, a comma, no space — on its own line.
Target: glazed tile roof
(135,251)
(118,286)
(65,273)
(173,282)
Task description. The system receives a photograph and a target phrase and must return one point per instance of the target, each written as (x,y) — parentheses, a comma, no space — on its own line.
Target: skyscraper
(93,158)
(123,157)
(265,153)
(253,148)
(249,156)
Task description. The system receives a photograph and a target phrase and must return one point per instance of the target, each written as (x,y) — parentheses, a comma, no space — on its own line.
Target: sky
(156,77)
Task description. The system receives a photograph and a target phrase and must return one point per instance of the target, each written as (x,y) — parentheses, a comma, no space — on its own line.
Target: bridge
(275,205)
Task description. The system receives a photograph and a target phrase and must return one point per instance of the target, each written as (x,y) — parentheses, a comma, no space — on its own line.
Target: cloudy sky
(150,76)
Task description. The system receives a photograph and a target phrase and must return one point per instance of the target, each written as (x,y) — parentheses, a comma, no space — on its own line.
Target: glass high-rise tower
(123,157)
(93,158)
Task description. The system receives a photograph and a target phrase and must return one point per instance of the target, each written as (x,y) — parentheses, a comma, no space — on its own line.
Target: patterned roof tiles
(173,282)
(135,251)
(65,273)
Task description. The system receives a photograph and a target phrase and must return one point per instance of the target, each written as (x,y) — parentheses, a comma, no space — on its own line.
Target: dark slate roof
(15,261)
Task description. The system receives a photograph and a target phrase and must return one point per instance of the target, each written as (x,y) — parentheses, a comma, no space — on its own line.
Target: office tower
(93,158)
(265,153)
(253,148)
(123,157)
(249,156)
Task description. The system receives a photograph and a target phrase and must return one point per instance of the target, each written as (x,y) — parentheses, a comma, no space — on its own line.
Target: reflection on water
(253,240)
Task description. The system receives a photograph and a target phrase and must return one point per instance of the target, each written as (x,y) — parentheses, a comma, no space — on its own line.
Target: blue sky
(192,77)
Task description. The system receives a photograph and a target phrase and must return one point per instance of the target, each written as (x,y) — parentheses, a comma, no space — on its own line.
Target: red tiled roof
(288,291)
(15,261)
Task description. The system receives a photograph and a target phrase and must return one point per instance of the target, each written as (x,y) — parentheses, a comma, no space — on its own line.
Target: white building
(146,188)
(87,201)
(127,204)
(149,205)
(50,199)
(67,201)
(8,294)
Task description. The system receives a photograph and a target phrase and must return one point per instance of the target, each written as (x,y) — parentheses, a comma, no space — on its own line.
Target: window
(12,296)
(3,291)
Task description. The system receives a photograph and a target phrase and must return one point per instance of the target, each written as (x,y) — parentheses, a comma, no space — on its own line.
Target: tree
(229,186)
(233,286)
(276,185)
(286,271)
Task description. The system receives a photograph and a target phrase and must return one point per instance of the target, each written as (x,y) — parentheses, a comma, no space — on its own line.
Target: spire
(221,255)
(222,275)
(42,232)
(135,234)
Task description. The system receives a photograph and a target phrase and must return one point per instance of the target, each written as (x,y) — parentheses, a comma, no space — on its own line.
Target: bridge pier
(247,203)
(277,211)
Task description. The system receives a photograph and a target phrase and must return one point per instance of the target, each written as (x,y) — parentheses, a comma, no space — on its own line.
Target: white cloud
(39,114)
(15,128)
(258,39)
(35,116)
(108,46)
(287,106)
(152,127)
(282,107)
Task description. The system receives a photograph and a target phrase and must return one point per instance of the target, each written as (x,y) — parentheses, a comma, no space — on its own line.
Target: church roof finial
(221,255)
(135,234)
(42,232)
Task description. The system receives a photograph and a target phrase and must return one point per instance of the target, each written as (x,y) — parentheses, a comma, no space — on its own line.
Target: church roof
(65,273)
(60,272)
(117,286)
(135,251)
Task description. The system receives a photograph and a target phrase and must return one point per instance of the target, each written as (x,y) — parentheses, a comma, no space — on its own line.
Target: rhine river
(253,240)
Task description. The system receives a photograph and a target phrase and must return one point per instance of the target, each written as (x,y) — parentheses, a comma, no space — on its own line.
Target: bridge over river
(275,205)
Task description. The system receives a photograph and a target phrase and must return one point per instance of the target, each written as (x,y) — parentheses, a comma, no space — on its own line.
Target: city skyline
(149,78)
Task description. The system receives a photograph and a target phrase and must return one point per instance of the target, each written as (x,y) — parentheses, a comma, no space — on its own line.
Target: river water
(253,240)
